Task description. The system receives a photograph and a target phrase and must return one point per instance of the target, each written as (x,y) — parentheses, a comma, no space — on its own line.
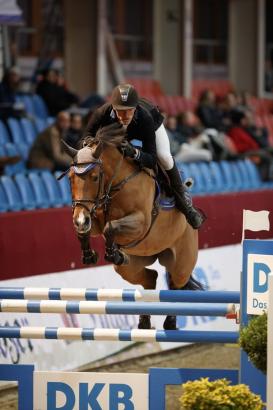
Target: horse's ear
(72,152)
(97,153)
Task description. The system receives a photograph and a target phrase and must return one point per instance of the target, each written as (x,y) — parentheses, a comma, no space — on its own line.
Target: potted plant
(218,395)
(253,340)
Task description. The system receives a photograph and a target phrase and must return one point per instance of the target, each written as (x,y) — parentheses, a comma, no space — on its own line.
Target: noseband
(80,171)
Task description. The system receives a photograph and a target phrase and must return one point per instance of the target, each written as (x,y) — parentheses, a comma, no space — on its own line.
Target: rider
(143,121)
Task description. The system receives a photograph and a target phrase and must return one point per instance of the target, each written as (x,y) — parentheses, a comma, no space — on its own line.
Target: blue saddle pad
(165,203)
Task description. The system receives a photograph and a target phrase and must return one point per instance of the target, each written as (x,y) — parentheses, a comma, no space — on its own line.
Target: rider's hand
(129,150)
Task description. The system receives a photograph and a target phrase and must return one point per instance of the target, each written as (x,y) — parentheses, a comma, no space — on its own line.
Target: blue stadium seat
(255,176)
(23,150)
(227,172)
(26,191)
(50,121)
(207,176)
(64,187)
(242,168)
(199,186)
(28,130)
(2,151)
(40,124)
(13,151)
(237,176)
(52,188)
(16,131)
(4,203)
(4,135)
(12,193)
(28,103)
(217,176)
(40,192)
(40,107)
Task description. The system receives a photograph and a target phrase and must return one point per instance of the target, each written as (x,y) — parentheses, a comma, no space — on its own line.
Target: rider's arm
(147,156)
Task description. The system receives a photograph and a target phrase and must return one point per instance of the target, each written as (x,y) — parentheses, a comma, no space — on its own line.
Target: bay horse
(112,196)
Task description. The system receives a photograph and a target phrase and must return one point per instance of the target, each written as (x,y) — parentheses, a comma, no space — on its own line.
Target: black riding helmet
(124,97)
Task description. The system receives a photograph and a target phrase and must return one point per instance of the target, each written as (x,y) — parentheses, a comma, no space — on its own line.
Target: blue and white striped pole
(126,295)
(116,308)
(136,335)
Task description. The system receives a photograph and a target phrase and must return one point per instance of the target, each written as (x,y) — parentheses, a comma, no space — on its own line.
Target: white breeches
(163,150)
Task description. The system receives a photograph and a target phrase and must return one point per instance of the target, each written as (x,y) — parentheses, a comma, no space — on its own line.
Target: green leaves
(218,395)
(253,340)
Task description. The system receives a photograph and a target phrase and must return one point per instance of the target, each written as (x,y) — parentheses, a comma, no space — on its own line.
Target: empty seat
(12,193)
(217,177)
(40,124)
(207,176)
(229,180)
(28,103)
(12,151)
(16,131)
(40,108)
(52,188)
(199,186)
(64,187)
(40,192)
(4,203)
(26,191)
(4,135)
(23,150)
(28,130)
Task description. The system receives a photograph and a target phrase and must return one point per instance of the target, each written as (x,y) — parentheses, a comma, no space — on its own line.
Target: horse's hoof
(170,323)
(117,258)
(144,322)
(90,258)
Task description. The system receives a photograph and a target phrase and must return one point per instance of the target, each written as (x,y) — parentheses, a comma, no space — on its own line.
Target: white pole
(187,49)
(101,56)
(269,392)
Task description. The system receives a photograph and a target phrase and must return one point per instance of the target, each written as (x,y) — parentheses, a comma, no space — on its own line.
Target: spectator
(54,93)
(248,146)
(47,151)
(8,89)
(194,144)
(208,112)
(259,134)
(74,132)
(174,136)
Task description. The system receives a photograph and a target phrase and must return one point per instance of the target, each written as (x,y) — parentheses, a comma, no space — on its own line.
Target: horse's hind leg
(179,262)
(136,273)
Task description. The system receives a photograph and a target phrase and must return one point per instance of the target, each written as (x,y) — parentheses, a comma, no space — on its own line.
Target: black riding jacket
(147,119)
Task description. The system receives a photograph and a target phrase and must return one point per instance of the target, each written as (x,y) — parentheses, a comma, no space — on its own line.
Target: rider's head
(124,101)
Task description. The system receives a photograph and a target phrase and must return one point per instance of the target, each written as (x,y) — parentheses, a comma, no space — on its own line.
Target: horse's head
(87,176)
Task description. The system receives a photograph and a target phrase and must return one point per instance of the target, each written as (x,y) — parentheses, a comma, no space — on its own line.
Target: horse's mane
(112,135)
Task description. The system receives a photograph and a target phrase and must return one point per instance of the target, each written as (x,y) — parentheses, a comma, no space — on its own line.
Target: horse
(112,196)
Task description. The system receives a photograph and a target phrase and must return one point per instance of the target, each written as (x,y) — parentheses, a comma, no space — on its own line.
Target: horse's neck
(114,163)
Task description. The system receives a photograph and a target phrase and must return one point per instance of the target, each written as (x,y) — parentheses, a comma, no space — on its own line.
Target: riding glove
(129,150)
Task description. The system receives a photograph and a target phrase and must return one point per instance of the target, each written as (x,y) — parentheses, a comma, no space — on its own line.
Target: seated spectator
(207,111)
(74,133)
(47,150)
(194,145)
(8,89)
(248,146)
(259,134)
(228,106)
(54,93)
(175,137)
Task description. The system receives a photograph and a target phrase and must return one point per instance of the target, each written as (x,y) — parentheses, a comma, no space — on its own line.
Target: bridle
(104,194)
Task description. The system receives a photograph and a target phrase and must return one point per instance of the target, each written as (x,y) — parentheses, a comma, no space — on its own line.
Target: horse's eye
(95,178)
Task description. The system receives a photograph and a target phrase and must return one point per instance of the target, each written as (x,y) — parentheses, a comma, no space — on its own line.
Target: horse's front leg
(89,256)
(126,229)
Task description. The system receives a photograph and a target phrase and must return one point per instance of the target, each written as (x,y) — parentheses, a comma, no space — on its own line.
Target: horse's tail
(193,284)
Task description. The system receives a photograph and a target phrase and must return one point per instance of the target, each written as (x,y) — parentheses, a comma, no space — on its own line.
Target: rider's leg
(182,196)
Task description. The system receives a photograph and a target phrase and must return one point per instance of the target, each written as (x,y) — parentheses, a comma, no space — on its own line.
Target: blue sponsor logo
(260,277)
(119,394)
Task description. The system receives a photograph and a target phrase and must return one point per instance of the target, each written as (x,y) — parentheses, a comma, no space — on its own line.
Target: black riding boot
(183,199)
